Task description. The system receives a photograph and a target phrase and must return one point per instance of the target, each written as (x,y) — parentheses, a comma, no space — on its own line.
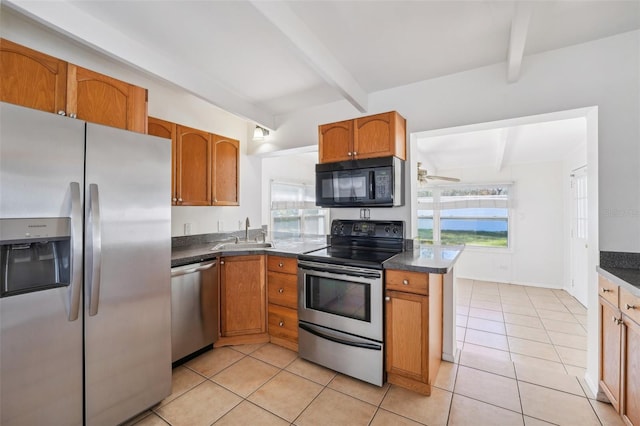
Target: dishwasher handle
(190,269)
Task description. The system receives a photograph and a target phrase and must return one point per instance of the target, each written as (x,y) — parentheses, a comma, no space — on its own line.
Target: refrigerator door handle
(76,251)
(95,249)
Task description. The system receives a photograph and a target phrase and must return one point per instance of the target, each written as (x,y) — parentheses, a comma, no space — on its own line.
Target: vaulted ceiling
(259,59)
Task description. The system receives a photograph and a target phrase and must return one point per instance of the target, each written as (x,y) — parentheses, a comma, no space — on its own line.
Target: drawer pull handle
(281,323)
(387,299)
(405,282)
(281,290)
(280,265)
(628,306)
(606,290)
(616,320)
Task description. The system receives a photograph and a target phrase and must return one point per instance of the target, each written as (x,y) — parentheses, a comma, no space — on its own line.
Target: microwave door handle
(372,185)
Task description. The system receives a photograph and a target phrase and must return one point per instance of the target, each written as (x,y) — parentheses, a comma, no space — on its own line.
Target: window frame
(303,207)
(435,207)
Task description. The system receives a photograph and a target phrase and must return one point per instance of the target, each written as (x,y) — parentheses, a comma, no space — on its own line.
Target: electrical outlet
(220,226)
(187,229)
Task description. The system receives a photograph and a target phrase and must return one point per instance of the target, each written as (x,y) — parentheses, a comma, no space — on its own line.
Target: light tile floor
(521,362)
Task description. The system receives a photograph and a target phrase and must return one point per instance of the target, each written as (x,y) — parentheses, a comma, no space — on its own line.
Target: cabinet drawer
(287,265)
(411,282)
(630,305)
(283,322)
(608,290)
(283,289)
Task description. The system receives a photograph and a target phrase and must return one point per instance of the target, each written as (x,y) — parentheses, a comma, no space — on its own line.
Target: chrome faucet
(246,229)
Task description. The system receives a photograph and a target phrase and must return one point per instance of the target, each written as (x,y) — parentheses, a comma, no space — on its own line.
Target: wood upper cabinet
(35,80)
(205,166)
(243,295)
(101,99)
(413,330)
(379,135)
(32,79)
(167,130)
(335,141)
(193,167)
(226,157)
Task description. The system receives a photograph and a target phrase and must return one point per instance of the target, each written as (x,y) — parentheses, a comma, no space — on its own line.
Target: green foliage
(471,238)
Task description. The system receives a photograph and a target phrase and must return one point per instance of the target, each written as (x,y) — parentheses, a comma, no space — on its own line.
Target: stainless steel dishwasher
(194,308)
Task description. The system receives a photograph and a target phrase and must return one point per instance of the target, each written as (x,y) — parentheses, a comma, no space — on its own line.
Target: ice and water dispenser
(35,254)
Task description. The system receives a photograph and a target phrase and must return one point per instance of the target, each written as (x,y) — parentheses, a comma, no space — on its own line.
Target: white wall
(537,240)
(603,73)
(166,102)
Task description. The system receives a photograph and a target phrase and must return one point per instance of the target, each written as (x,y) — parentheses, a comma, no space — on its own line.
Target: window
(294,213)
(476,215)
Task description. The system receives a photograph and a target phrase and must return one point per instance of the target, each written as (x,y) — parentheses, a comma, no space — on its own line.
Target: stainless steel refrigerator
(85,245)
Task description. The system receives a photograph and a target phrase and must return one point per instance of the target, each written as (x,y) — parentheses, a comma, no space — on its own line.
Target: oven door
(343,298)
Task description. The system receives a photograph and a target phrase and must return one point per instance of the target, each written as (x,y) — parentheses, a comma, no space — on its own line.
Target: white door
(579,226)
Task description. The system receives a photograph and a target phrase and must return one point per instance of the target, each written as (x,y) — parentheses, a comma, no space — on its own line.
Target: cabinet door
(166,129)
(193,167)
(610,339)
(242,296)
(380,135)
(226,155)
(631,373)
(407,318)
(335,141)
(32,79)
(101,99)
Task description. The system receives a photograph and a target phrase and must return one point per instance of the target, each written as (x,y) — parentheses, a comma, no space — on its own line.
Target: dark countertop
(429,258)
(435,259)
(200,252)
(627,278)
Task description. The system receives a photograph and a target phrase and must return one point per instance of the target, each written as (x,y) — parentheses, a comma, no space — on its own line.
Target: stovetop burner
(361,243)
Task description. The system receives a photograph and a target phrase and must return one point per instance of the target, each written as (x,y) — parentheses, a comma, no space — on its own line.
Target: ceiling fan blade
(450,179)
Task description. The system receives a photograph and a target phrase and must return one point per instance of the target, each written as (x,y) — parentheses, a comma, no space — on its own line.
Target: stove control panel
(368,228)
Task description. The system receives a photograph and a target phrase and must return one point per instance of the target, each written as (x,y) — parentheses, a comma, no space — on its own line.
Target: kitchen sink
(241,245)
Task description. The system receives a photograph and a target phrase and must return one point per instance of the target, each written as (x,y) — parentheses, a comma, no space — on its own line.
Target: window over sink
(294,213)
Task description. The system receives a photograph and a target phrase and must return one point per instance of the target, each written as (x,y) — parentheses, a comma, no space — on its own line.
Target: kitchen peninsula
(419,302)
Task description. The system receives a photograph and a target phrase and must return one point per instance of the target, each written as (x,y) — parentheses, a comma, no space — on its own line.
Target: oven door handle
(337,270)
(372,346)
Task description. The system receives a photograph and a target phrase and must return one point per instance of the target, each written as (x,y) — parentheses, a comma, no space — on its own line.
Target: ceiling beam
(313,51)
(518,39)
(501,148)
(65,18)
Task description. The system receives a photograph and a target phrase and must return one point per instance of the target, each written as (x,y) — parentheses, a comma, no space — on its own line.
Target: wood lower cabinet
(32,79)
(620,348)
(379,135)
(630,409)
(282,282)
(610,338)
(35,80)
(413,329)
(243,300)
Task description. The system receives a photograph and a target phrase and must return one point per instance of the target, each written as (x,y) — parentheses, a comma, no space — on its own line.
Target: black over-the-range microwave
(373,182)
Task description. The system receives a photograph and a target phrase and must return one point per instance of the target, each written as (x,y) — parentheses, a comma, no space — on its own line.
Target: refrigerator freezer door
(41,154)
(128,340)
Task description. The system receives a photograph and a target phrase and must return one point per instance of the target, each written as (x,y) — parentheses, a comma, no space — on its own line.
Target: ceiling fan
(424,176)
